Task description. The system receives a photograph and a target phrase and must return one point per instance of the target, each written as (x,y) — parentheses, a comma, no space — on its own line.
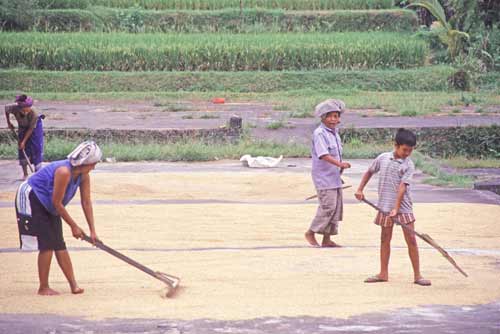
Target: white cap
(86,153)
(328,106)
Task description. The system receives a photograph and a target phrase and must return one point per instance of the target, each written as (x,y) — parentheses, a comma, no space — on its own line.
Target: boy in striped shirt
(394,200)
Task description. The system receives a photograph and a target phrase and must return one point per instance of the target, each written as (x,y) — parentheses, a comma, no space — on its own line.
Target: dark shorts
(48,227)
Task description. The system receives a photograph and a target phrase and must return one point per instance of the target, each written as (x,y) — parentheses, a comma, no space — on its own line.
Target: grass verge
(438,176)
(430,78)
(56,148)
(463,162)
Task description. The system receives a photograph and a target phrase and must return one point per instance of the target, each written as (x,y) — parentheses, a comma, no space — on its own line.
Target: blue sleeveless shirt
(42,183)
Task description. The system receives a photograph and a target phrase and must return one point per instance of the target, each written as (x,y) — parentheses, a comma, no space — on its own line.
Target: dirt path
(126,115)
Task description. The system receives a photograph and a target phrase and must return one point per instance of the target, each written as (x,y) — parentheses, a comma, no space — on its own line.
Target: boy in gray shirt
(327,165)
(394,200)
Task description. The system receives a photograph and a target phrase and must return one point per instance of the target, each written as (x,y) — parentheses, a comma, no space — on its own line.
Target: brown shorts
(385,221)
(329,213)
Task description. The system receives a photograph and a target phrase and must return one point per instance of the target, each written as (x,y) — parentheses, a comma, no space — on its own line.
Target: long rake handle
(14,133)
(422,236)
(99,244)
(316,195)
(28,160)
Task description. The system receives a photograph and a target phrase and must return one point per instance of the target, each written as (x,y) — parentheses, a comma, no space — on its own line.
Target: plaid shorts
(384,220)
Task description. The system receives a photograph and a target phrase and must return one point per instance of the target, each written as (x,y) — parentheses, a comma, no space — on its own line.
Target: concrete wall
(229,133)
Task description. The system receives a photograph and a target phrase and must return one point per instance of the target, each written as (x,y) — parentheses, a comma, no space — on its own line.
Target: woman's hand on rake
(77,232)
(93,237)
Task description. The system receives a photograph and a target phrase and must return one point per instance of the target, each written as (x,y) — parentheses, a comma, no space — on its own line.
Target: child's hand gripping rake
(424,237)
(172,282)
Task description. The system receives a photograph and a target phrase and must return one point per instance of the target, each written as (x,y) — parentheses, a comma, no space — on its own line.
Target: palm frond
(435,8)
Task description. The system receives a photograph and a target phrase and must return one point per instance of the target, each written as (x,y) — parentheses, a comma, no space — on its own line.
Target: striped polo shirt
(393,172)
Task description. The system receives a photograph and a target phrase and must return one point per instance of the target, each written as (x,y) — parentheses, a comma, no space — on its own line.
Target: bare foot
(77,291)
(311,239)
(329,244)
(47,292)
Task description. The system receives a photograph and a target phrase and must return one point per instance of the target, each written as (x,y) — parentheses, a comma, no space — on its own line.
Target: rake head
(172,283)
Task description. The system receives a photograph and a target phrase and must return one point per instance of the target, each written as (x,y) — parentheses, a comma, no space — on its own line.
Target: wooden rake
(14,133)
(422,236)
(316,195)
(172,282)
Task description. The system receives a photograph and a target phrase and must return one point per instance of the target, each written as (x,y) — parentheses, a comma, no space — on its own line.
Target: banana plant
(452,38)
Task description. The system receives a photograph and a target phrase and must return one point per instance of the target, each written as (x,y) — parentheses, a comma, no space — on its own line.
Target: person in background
(30,132)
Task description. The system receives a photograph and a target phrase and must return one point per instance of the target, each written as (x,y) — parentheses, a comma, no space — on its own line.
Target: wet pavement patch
(425,319)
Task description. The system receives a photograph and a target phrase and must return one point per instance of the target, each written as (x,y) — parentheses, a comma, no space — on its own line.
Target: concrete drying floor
(235,237)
